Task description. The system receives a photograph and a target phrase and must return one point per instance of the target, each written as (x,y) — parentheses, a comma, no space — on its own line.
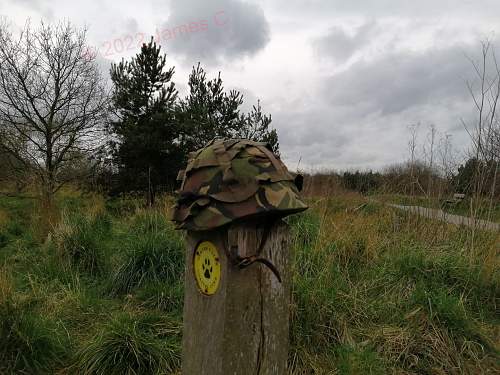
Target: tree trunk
(150,198)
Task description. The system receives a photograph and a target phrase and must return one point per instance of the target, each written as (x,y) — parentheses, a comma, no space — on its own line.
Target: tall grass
(373,297)
(127,345)
(153,254)
(78,240)
(375,291)
(29,343)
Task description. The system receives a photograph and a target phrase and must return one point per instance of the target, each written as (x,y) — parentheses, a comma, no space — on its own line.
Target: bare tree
(447,162)
(412,146)
(52,99)
(428,151)
(485,129)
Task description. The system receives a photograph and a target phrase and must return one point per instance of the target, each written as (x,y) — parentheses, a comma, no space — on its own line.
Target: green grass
(150,257)
(29,342)
(153,254)
(359,361)
(127,345)
(78,242)
(64,317)
(375,291)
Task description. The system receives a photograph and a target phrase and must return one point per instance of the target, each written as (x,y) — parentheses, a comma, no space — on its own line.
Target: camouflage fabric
(234,179)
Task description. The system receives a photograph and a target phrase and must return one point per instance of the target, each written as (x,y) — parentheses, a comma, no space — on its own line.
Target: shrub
(127,345)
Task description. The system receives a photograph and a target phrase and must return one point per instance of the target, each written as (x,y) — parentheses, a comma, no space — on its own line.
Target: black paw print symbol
(207,268)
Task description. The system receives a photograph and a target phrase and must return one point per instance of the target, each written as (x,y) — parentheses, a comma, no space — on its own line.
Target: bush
(127,345)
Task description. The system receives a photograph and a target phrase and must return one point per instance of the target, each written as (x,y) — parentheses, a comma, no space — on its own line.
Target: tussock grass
(155,256)
(376,291)
(149,221)
(130,345)
(29,343)
(10,228)
(4,218)
(151,257)
(77,240)
(161,296)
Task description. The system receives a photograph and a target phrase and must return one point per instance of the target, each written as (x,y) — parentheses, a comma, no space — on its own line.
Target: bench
(457,198)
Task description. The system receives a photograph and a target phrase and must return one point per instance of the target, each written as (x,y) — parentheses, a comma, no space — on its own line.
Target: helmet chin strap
(248,261)
(244,262)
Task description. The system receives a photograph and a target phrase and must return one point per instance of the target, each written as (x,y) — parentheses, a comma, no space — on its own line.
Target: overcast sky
(342,79)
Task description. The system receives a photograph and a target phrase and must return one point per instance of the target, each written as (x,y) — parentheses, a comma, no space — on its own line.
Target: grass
(375,290)
(150,257)
(60,316)
(77,239)
(154,253)
(126,345)
(30,343)
(380,291)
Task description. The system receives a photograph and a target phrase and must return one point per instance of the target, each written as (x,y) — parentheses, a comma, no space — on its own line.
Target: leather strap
(244,262)
(248,261)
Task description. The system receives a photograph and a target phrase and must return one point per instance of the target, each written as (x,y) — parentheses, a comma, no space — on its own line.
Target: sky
(343,80)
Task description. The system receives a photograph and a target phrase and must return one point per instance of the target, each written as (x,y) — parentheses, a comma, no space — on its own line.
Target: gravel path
(450,218)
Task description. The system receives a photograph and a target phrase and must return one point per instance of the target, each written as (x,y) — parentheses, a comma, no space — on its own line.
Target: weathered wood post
(237,280)
(243,327)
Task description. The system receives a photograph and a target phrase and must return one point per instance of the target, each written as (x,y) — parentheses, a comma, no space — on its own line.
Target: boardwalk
(450,218)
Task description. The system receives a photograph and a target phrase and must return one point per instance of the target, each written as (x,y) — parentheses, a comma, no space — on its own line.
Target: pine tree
(256,127)
(209,112)
(147,150)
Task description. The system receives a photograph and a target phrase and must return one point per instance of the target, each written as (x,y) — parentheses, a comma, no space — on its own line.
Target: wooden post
(243,327)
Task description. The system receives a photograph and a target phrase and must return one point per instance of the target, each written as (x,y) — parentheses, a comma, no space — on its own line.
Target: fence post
(236,321)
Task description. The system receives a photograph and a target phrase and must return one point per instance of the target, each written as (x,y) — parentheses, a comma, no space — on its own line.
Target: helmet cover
(229,180)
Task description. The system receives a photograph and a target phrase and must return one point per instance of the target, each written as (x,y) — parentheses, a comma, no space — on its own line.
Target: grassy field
(375,291)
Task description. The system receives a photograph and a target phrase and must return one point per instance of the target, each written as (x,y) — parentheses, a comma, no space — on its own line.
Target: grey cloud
(324,9)
(340,45)
(131,25)
(39,6)
(312,136)
(104,66)
(359,117)
(354,118)
(211,31)
(249,99)
(398,81)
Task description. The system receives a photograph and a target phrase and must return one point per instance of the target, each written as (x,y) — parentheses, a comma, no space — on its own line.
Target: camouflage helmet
(228,180)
